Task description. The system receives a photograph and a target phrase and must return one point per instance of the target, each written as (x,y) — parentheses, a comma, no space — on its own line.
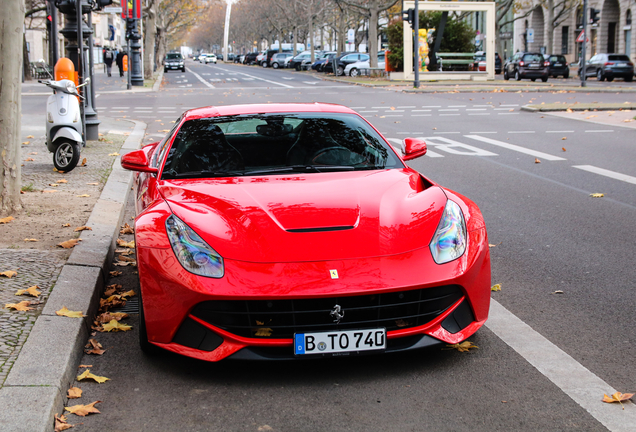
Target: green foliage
(458,36)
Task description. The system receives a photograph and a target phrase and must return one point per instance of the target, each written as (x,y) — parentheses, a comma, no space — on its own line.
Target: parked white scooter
(64,130)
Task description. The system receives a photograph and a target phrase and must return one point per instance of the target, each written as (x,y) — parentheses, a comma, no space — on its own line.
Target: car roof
(229,110)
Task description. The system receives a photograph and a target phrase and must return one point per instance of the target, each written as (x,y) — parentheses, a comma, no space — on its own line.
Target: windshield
(173,56)
(618,57)
(533,58)
(262,144)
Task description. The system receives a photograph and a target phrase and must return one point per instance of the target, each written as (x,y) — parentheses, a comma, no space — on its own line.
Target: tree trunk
(150,31)
(550,28)
(11,47)
(26,67)
(373,33)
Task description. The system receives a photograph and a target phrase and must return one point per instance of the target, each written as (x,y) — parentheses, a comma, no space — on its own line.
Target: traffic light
(409,15)
(102,3)
(594,15)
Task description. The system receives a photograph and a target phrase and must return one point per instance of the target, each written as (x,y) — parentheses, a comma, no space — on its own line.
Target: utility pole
(416,43)
(226,30)
(583,44)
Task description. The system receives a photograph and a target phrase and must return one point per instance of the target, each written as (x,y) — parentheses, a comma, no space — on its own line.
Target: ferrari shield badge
(334,274)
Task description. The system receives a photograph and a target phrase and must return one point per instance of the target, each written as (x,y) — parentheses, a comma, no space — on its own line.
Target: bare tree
(11,22)
(558,12)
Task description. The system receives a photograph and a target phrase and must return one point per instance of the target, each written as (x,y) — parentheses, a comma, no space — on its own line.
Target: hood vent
(321,229)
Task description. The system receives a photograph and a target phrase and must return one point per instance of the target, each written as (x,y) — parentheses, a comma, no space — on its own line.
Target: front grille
(280,319)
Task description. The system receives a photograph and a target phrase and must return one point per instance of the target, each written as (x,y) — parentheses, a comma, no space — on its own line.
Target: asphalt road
(550,235)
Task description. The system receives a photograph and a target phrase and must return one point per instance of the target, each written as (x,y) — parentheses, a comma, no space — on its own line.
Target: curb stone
(35,389)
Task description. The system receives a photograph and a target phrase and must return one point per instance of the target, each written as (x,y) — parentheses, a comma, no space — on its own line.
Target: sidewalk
(39,350)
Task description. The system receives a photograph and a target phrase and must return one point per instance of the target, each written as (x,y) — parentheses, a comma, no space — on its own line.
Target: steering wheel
(336,155)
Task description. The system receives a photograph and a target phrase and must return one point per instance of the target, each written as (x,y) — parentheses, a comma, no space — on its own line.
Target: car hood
(310,217)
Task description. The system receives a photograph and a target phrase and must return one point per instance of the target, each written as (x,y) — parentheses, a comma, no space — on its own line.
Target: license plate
(338,342)
(558,64)
(535,66)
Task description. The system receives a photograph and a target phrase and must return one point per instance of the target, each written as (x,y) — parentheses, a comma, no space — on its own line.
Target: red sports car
(296,230)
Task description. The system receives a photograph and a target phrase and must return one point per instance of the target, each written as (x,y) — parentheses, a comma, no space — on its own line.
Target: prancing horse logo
(337,314)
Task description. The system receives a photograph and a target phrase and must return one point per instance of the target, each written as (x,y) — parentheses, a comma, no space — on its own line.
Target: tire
(506,77)
(544,79)
(555,76)
(340,71)
(298,67)
(183,70)
(610,79)
(146,347)
(629,79)
(264,64)
(354,72)
(599,75)
(566,75)
(533,79)
(66,155)
(275,65)
(517,75)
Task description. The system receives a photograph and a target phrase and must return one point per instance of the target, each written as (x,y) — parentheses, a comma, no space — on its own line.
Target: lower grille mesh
(280,319)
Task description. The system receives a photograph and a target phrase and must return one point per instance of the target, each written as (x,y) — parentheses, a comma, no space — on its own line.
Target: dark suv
(558,65)
(527,65)
(609,66)
(173,61)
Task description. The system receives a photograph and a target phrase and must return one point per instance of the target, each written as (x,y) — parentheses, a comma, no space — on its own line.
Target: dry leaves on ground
(83,410)
(62,181)
(112,289)
(496,287)
(83,196)
(617,397)
(83,228)
(537,160)
(66,225)
(597,195)
(462,347)
(94,347)
(113,154)
(68,244)
(30,240)
(22,306)
(114,273)
(88,375)
(116,326)
(61,424)
(123,243)
(32,291)
(126,229)
(9,273)
(70,314)
(74,393)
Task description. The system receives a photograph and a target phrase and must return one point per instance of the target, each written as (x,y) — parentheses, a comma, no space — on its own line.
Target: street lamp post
(133,36)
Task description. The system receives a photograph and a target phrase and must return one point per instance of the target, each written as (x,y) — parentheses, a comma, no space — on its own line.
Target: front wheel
(275,65)
(354,72)
(506,77)
(517,76)
(566,76)
(66,156)
(340,71)
(544,79)
(599,75)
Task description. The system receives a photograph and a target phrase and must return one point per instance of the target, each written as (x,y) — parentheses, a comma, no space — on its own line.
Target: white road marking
(268,81)
(570,131)
(607,173)
(576,381)
(421,115)
(479,114)
(97,95)
(310,82)
(422,110)
(509,105)
(457,106)
(518,132)
(200,78)
(431,106)
(120,108)
(449,115)
(516,148)
(454,147)
(368,111)
(502,109)
(509,113)
(446,133)
(475,109)
(447,109)
(396,111)
(287,78)
(407,107)
(483,133)
(598,130)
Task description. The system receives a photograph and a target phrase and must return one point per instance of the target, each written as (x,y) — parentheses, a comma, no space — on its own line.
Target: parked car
(527,65)
(207,58)
(173,61)
(239,58)
(261,57)
(479,62)
(343,60)
(279,59)
(267,61)
(609,66)
(297,61)
(219,57)
(250,58)
(233,195)
(558,65)
(354,69)
(230,57)
(319,62)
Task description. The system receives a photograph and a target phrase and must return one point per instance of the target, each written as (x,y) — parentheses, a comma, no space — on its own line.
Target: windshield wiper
(203,173)
(300,169)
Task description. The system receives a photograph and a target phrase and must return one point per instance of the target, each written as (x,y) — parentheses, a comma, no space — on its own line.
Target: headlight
(449,241)
(194,254)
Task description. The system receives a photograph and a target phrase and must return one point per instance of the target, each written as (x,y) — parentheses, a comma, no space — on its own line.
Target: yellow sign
(334,274)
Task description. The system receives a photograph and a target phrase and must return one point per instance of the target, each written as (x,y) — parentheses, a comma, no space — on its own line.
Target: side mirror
(413,148)
(137,161)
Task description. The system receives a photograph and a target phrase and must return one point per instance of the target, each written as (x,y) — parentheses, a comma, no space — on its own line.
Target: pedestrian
(120,62)
(108,60)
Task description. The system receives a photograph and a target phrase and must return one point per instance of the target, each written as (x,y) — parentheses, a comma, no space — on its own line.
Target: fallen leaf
(83,162)
(617,397)
(9,273)
(22,306)
(122,243)
(536,160)
(563,148)
(558,292)
(125,251)
(94,347)
(83,410)
(589,117)
(32,291)
(113,154)
(126,259)
(83,228)
(53,184)
(84,366)
(30,240)
(74,393)
(564,138)
(70,314)
(569,110)
(62,181)
(33,153)
(114,273)
(597,195)
(115,325)
(392,108)
(124,264)
(127,229)
(29,160)
(49,191)
(69,243)
(30,136)
(61,424)
(26,142)
(88,375)
(496,287)
(93,184)
(128,294)
(66,225)
(6,220)
(264,331)
(83,196)
(462,347)
(107,317)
